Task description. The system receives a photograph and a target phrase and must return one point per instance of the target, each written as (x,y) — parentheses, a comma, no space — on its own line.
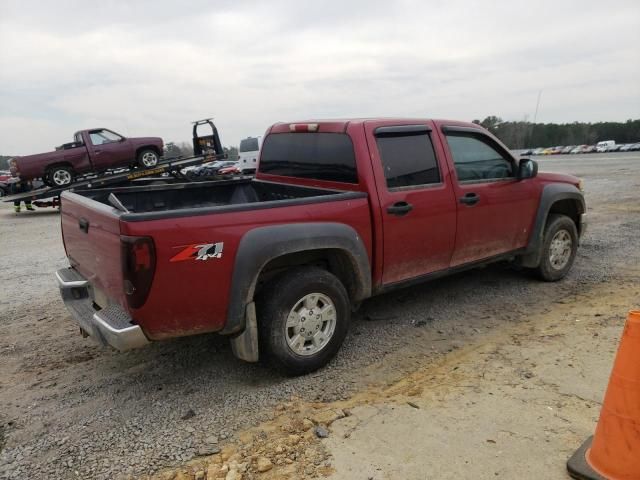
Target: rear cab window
(310,155)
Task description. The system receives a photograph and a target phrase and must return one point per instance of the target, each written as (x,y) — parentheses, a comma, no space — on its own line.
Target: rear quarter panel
(191,296)
(33,166)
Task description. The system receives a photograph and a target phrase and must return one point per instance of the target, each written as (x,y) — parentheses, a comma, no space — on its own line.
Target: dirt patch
(488,388)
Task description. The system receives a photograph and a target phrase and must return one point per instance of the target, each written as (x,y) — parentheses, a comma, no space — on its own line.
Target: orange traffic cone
(613,453)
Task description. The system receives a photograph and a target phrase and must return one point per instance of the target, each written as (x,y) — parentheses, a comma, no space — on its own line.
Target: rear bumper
(108,326)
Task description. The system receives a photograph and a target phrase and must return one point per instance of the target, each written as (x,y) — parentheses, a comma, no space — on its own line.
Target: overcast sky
(151,67)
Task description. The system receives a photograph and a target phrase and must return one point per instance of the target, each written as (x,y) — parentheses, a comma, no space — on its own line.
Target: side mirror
(527,168)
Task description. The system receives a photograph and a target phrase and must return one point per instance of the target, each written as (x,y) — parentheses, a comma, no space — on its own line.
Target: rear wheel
(559,248)
(303,318)
(60,176)
(147,158)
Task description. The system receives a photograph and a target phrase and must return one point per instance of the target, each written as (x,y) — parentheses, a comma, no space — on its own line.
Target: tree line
(518,135)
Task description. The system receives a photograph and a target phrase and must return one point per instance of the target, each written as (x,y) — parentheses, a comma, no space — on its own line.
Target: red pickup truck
(339,211)
(92,150)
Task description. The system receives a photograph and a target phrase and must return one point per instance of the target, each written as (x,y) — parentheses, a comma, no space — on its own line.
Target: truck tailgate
(91,234)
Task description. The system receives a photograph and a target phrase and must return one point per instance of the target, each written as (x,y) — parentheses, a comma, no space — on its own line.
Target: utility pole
(535,116)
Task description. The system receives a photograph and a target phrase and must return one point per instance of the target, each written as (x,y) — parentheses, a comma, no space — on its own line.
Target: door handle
(400,208)
(470,199)
(83,223)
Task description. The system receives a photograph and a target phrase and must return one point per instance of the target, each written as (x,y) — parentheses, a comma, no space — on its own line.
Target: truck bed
(180,217)
(199,198)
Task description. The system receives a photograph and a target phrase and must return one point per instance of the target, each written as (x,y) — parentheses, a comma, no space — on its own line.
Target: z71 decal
(202,251)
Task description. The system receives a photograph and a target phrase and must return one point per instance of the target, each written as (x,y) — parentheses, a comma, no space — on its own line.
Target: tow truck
(206,148)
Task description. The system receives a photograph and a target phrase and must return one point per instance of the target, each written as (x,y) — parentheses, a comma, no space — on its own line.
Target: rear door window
(408,159)
(319,156)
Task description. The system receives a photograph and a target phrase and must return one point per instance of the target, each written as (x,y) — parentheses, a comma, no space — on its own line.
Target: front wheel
(59,176)
(559,248)
(303,318)
(147,158)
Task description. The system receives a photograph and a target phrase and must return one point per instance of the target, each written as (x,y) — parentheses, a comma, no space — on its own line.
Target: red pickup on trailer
(91,151)
(339,211)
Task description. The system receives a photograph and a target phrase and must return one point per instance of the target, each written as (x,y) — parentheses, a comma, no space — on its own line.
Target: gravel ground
(74,410)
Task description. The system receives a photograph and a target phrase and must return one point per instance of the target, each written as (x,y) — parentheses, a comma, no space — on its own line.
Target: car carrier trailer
(207,148)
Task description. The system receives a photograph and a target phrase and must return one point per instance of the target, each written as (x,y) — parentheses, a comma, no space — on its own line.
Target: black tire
(59,176)
(551,269)
(276,303)
(147,158)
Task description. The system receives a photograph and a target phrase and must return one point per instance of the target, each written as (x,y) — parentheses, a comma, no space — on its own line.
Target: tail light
(303,127)
(138,266)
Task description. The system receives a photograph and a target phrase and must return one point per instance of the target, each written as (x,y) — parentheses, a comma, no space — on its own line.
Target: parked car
(338,212)
(4,184)
(604,146)
(248,154)
(524,153)
(567,149)
(614,148)
(229,171)
(635,147)
(538,151)
(93,150)
(7,178)
(589,149)
(211,169)
(578,149)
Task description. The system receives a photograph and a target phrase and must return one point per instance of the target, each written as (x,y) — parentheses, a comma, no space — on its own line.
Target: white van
(605,145)
(248,154)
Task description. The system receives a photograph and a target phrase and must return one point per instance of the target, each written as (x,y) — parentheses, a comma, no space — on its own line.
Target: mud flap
(245,345)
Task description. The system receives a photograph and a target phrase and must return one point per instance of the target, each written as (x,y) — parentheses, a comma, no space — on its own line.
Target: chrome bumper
(108,326)
(584,222)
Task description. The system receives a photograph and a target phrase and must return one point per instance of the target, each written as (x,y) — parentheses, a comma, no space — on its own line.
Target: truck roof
(341,124)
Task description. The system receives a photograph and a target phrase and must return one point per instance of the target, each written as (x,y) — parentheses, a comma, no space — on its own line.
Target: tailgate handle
(83,223)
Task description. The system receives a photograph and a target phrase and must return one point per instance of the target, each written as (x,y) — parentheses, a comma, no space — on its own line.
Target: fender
(551,194)
(261,245)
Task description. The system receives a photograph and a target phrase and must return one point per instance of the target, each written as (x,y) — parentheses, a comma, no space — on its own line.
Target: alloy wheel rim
(310,324)
(560,249)
(61,177)
(149,159)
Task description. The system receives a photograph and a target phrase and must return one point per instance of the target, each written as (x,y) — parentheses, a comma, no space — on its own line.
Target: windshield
(321,156)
